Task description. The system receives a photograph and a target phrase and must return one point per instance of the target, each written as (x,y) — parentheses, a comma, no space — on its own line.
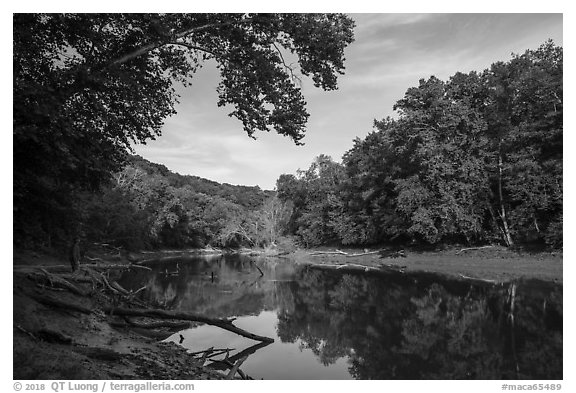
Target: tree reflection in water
(421,327)
(413,326)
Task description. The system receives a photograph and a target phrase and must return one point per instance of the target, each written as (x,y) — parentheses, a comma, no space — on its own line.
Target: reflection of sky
(276,361)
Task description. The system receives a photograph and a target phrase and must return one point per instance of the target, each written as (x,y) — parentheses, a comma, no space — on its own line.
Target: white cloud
(391,53)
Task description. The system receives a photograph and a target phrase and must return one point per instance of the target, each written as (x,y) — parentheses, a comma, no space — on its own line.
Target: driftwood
(472,248)
(225,324)
(228,364)
(56,281)
(348,267)
(258,267)
(478,279)
(219,365)
(340,252)
(111,288)
(236,367)
(212,352)
(345,267)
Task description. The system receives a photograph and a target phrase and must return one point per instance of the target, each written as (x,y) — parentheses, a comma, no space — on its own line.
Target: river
(329,325)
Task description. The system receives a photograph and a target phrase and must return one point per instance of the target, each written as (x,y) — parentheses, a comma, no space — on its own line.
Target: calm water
(329,325)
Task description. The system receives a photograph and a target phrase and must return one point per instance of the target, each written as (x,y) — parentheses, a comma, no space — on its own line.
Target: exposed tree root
(56,281)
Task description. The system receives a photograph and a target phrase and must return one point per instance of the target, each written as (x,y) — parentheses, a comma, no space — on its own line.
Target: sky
(391,53)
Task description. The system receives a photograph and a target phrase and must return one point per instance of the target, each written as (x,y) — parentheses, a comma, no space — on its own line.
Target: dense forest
(148,206)
(475,159)
(88,87)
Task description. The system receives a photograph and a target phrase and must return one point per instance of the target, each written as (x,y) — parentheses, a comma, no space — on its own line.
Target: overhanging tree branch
(154,45)
(196,47)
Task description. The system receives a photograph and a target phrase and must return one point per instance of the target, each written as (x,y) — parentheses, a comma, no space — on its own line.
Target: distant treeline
(148,206)
(145,205)
(474,159)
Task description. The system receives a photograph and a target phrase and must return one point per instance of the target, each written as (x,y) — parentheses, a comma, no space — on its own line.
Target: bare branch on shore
(236,367)
(340,252)
(353,267)
(472,248)
(478,279)
(212,352)
(56,281)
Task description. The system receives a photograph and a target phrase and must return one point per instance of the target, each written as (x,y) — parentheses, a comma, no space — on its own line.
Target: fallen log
(56,281)
(327,253)
(340,252)
(230,365)
(225,324)
(478,279)
(212,352)
(343,267)
(236,367)
(218,365)
(472,248)
(353,267)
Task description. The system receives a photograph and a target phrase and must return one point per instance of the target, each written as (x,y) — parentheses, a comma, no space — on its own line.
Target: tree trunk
(165,314)
(502,211)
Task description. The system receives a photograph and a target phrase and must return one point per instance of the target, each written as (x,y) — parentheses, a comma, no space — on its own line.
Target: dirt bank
(51,342)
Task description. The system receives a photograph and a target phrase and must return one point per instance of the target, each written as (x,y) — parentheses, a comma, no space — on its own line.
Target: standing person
(75,254)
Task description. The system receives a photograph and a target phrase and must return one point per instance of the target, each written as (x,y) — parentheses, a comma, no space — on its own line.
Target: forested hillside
(474,159)
(148,206)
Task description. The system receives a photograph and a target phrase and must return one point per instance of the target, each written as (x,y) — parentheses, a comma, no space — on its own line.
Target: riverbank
(51,342)
(494,263)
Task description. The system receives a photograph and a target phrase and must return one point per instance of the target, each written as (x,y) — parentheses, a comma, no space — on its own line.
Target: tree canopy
(474,159)
(88,86)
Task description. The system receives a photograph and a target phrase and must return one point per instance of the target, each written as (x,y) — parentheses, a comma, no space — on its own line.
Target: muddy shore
(54,343)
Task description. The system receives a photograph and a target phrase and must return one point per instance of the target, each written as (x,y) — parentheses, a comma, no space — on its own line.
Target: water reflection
(329,325)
